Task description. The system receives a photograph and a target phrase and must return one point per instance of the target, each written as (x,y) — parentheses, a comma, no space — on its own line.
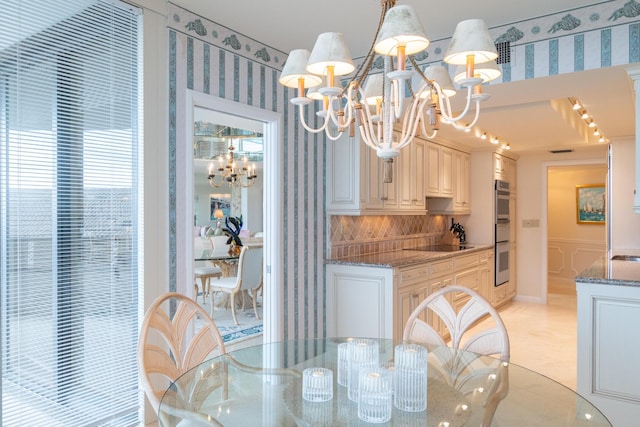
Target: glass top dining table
(262,386)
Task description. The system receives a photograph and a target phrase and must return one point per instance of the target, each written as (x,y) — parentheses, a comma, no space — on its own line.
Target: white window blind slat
(70,203)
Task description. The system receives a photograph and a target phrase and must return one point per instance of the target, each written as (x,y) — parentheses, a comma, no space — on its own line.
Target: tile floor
(544,337)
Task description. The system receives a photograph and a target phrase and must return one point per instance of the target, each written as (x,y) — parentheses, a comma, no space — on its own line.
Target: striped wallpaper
(207,57)
(210,59)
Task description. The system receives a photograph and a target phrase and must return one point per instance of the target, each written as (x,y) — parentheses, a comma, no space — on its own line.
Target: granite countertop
(613,272)
(404,257)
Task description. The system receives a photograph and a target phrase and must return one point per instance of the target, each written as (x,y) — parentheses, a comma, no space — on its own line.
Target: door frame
(272,124)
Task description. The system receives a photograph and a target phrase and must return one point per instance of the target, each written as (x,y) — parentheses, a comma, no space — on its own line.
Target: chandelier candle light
(399,35)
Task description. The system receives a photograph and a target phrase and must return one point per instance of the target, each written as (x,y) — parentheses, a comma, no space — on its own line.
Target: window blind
(70,207)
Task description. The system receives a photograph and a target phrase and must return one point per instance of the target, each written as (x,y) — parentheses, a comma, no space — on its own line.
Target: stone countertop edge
(610,272)
(402,257)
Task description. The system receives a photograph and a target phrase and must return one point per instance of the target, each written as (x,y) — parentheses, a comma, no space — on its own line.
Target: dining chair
(466,332)
(248,279)
(170,345)
(477,329)
(203,271)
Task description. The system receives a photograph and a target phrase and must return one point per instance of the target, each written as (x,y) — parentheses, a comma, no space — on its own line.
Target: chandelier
(231,172)
(375,104)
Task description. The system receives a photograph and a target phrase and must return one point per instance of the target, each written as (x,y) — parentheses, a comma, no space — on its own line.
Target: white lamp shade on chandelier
(437,73)
(399,36)
(401,29)
(471,39)
(295,72)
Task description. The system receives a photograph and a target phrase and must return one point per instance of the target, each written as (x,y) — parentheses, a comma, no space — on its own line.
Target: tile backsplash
(360,235)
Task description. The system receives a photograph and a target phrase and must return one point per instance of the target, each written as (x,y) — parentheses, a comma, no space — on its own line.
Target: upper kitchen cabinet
(355,179)
(412,176)
(462,182)
(449,180)
(439,171)
(505,170)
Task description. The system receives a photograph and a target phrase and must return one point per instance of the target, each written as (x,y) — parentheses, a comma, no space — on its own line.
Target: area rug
(248,324)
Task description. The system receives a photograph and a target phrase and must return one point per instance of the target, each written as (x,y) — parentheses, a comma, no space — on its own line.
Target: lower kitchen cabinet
(359,301)
(609,348)
(377,301)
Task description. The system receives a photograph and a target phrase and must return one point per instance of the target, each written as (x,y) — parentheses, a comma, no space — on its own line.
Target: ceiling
(531,115)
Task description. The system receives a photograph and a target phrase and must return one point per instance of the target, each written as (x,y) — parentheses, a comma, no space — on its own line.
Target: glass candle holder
(317,384)
(362,352)
(389,366)
(343,364)
(374,394)
(410,381)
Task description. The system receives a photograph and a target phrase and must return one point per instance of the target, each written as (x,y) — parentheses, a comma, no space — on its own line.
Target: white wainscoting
(567,258)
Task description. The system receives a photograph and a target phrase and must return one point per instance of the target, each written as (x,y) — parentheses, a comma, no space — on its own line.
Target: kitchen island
(609,336)
(373,295)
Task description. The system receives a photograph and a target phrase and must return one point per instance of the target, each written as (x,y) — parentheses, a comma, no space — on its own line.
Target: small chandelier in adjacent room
(228,170)
(375,104)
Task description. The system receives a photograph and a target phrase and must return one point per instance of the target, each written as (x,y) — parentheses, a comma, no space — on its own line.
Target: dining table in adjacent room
(262,386)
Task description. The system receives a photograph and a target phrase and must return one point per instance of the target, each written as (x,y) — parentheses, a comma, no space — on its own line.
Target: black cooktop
(439,248)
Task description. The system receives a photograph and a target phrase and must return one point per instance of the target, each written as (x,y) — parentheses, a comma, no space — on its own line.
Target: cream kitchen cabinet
(412,175)
(377,301)
(439,171)
(355,180)
(360,301)
(608,345)
(414,284)
(505,170)
(449,181)
(462,183)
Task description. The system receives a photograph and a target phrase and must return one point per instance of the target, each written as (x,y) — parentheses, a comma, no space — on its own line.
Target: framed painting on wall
(219,202)
(591,204)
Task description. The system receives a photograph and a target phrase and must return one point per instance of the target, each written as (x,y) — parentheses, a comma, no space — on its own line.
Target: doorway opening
(571,243)
(269,124)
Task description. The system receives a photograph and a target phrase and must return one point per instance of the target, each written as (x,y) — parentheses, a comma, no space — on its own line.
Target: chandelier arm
(410,123)
(307,127)
(475,119)
(366,138)
(332,137)
(423,129)
(424,102)
(397,94)
(427,134)
(366,127)
(212,181)
(331,114)
(447,112)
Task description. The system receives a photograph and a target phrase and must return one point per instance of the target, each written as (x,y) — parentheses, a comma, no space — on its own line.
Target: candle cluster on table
(375,387)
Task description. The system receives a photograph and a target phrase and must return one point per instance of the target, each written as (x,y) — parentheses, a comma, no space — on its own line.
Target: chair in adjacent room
(203,271)
(248,279)
(170,344)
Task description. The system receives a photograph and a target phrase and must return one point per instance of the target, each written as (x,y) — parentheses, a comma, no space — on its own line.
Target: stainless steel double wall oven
(502,233)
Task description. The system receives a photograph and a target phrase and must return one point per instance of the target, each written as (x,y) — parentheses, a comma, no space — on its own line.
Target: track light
(483,136)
